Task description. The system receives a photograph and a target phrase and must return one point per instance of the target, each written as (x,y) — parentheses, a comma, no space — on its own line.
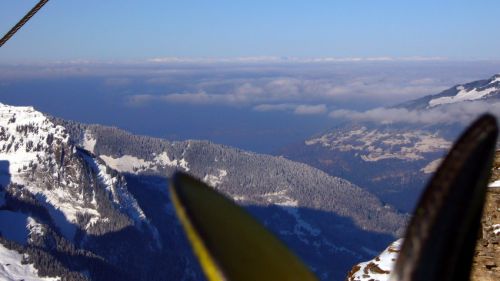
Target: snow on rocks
(375,145)
(132,164)
(495,184)
(12,268)
(89,141)
(465,95)
(378,269)
(36,156)
(215,180)
(118,190)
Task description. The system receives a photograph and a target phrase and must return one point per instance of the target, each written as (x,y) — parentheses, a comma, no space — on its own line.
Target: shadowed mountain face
(95,205)
(392,151)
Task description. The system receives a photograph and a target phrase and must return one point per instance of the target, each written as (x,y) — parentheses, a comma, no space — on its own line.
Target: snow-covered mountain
(58,200)
(393,158)
(482,90)
(87,202)
(379,268)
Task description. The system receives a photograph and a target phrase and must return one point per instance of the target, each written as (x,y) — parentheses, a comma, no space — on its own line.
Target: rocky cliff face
(486,265)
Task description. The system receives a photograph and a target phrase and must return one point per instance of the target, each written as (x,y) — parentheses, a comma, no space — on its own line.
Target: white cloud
(456,113)
(310,109)
(274,107)
(299,109)
(334,82)
(277,59)
(200,97)
(192,98)
(139,100)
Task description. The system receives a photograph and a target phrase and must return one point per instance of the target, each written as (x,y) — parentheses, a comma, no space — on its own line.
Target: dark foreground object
(440,240)
(229,243)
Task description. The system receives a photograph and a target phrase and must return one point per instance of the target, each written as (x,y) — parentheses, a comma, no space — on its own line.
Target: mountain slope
(91,203)
(393,159)
(317,215)
(86,219)
(482,90)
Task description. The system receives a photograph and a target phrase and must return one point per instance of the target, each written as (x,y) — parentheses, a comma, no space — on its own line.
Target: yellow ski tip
(228,242)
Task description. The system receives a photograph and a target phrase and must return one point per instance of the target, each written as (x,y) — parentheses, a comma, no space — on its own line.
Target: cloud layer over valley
(454,113)
(250,103)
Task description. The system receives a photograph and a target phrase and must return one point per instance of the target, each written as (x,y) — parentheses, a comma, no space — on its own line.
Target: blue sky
(135,30)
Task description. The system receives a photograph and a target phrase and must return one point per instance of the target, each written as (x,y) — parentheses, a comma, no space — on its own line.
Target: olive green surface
(229,243)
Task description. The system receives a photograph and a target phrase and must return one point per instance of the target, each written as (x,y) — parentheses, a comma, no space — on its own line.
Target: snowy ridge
(89,141)
(375,145)
(34,228)
(12,268)
(378,269)
(118,190)
(215,180)
(37,156)
(132,164)
(462,95)
(31,146)
(469,92)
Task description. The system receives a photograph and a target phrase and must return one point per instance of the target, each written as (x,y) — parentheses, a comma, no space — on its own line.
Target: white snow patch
(11,118)
(120,194)
(215,180)
(12,268)
(164,160)
(22,130)
(35,228)
(375,145)
(496,229)
(89,141)
(280,198)
(463,95)
(495,184)
(184,164)
(239,198)
(126,163)
(385,262)
(31,152)
(132,164)
(497,79)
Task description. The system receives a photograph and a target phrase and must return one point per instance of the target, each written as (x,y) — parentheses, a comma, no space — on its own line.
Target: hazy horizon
(258,75)
(259,105)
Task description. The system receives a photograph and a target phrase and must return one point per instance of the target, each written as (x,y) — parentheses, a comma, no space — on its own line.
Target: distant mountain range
(87,202)
(394,159)
(481,90)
